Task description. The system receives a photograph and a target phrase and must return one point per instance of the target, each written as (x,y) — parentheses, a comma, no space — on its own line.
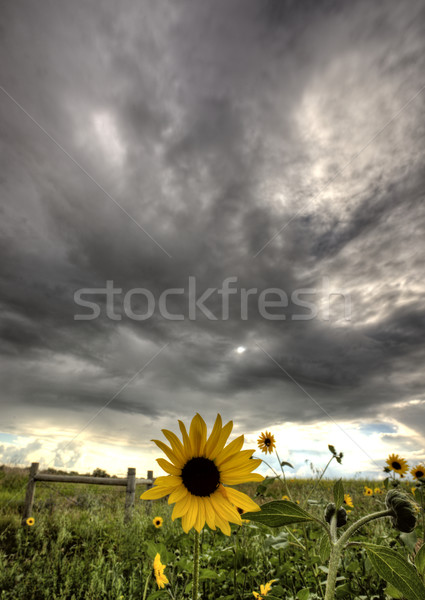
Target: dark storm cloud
(215,126)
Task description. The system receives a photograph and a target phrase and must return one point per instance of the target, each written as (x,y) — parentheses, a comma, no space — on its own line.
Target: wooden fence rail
(128,482)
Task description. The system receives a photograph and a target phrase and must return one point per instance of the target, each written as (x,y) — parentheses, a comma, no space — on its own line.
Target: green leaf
(409,540)
(278,513)
(286,464)
(390,590)
(395,569)
(324,548)
(332,449)
(420,560)
(338,494)
(303,594)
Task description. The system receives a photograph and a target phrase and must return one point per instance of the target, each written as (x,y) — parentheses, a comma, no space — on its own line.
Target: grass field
(80,547)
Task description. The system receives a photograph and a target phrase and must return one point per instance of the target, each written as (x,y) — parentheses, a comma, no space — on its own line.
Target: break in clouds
(279,144)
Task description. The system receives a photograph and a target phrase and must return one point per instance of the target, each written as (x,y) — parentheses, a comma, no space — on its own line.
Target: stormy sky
(212,206)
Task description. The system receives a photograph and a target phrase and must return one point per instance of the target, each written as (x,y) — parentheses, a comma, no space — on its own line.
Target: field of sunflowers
(213,528)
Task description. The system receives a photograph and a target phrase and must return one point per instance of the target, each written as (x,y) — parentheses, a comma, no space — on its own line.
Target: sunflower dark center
(419,474)
(396,465)
(267,442)
(200,476)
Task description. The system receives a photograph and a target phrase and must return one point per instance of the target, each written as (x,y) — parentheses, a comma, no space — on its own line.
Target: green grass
(81,548)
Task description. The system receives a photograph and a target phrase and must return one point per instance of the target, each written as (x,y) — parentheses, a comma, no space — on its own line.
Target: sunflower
(418,472)
(158,521)
(348,500)
(266,442)
(377,491)
(368,491)
(158,570)
(285,497)
(30,522)
(397,464)
(264,590)
(199,470)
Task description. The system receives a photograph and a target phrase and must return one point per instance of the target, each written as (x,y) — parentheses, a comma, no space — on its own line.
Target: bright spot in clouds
(240,349)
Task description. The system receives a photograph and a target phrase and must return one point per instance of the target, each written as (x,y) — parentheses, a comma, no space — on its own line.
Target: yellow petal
(235,479)
(170,454)
(176,445)
(242,458)
(223,525)
(232,448)
(200,521)
(241,500)
(225,432)
(209,513)
(214,436)
(177,495)
(186,441)
(198,434)
(155,493)
(168,467)
(181,507)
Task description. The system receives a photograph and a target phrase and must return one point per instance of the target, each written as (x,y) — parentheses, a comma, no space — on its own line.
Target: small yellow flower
(413,490)
(285,497)
(266,442)
(368,491)
(377,491)
(158,521)
(30,522)
(264,590)
(348,500)
(397,464)
(418,472)
(158,570)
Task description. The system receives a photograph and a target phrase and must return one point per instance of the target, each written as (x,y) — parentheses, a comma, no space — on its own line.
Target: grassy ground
(81,548)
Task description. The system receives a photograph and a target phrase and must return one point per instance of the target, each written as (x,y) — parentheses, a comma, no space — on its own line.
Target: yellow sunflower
(158,521)
(418,472)
(199,470)
(368,491)
(348,500)
(378,491)
(264,590)
(266,442)
(285,497)
(30,522)
(397,464)
(158,570)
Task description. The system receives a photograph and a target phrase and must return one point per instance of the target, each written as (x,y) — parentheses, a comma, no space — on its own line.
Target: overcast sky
(174,145)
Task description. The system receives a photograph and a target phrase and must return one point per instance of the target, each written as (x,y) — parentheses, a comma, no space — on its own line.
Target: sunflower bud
(341,515)
(404,514)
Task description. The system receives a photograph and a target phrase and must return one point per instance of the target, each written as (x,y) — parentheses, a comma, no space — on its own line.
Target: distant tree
(100,473)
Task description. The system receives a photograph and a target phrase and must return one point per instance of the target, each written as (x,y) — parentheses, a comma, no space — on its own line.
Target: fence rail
(128,482)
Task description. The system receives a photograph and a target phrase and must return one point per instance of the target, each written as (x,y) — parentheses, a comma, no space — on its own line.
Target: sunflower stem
(195,584)
(145,591)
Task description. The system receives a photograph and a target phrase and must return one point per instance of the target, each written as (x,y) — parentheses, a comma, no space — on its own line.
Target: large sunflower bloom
(266,442)
(418,472)
(397,464)
(198,470)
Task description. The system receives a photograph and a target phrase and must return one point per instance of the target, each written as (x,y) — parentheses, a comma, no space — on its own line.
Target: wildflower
(158,521)
(377,491)
(199,470)
(348,500)
(264,590)
(418,472)
(158,570)
(368,491)
(266,442)
(397,464)
(404,511)
(285,497)
(30,522)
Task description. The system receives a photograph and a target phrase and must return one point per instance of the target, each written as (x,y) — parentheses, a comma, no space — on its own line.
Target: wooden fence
(128,482)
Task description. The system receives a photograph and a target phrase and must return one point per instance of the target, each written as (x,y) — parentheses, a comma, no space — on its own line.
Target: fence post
(148,506)
(29,496)
(130,492)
